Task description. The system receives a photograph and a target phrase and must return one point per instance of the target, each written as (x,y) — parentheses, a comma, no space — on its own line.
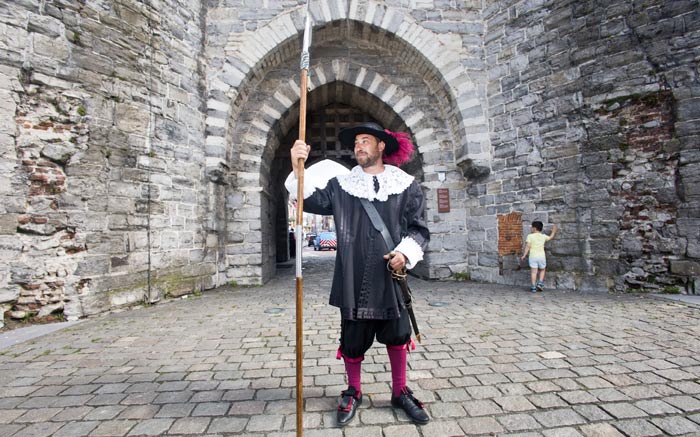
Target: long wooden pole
(299,248)
(299,228)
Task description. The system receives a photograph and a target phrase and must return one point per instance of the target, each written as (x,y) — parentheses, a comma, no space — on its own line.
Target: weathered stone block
(50,309)
(631,246)
(9,224)
(685,267)
(58,152)
(689,109)
(566,282)
(49,26)
(600,171)
(602,246)
(92,266)
(511,262)
(488,260)
(594,284)
(22,273)
(485,274)
(693,248)
(609,230)
(123,298)
(9,293)
(131,118)
(564,246)
(447,258)
(50,47)
(605,266)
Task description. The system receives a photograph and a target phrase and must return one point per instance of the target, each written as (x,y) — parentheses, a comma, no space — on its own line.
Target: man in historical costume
(370,302)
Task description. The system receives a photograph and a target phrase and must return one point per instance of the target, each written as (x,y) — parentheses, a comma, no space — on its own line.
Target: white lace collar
(360,184)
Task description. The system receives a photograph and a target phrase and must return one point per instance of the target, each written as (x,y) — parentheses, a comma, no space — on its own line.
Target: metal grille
(322,131)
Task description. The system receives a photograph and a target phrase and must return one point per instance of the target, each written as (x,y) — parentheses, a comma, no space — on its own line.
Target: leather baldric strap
(400,276)
(377,222)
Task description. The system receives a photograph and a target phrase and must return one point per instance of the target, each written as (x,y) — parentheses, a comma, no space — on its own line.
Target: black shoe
(412,406)
(348,406)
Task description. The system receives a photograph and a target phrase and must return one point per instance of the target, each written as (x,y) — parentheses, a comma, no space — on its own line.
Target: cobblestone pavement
(496,360)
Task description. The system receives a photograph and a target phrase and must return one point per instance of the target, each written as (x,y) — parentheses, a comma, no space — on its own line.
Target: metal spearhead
(307,41)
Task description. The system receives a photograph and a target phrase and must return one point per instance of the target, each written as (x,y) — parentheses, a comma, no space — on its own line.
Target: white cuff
(309,185)
(411,250)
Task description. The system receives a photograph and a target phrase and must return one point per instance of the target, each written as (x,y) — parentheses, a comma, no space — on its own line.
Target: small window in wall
(510,233)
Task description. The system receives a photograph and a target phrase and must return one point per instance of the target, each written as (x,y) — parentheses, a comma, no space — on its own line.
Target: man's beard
(367,160)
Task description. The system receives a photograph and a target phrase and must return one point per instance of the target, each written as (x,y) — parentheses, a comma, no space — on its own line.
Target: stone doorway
(359,65)
(331,108)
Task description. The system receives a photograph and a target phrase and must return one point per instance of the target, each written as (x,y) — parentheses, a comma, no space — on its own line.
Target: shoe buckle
(409,394)
(348,397)
(348,407)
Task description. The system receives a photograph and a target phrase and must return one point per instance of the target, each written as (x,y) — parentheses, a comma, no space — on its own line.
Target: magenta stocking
(397,358)
(353,367)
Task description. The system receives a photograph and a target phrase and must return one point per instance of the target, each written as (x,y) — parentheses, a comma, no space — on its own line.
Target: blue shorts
(538,263)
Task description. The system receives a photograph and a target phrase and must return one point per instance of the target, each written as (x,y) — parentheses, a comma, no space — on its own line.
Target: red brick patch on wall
(510,233)
(46,177)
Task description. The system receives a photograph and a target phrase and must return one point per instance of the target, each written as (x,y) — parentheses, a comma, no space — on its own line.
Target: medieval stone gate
(142,142)
(363,66)
(323,127)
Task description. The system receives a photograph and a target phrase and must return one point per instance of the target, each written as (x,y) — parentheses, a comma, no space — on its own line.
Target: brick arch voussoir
(373,83)
(242,64)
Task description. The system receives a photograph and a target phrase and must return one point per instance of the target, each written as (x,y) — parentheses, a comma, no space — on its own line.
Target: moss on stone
(462,276)
(671,290)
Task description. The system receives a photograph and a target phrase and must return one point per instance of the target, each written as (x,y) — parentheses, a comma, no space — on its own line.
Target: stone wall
(138,138)
(102,191)
(594,126)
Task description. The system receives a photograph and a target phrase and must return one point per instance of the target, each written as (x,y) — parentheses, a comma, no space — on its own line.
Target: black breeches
(357,336)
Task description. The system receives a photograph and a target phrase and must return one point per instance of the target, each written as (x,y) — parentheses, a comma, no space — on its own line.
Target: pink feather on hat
(403,154)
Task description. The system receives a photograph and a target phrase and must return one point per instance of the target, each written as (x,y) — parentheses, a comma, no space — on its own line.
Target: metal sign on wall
(443,198)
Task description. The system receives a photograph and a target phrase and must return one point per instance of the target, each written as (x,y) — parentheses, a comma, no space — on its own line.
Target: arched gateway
(374,60)
(143,142)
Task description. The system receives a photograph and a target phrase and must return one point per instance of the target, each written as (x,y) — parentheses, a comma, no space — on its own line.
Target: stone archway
(249,54)
(334,106)
(331,107)
(412,92)
(252,174)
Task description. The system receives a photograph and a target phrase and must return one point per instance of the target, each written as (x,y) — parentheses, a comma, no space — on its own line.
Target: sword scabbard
(408,301)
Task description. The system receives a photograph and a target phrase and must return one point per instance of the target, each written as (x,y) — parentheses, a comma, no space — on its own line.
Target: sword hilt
(396,274)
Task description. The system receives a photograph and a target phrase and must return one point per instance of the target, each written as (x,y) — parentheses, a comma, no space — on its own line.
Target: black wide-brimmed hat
(347,136)
(398,148)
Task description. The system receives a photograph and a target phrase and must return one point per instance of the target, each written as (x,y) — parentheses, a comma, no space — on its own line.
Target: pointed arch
(254,99)
(260,137)
(249,54)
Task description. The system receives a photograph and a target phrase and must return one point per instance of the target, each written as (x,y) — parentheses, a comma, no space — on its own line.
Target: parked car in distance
(326,240)
(310,238)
